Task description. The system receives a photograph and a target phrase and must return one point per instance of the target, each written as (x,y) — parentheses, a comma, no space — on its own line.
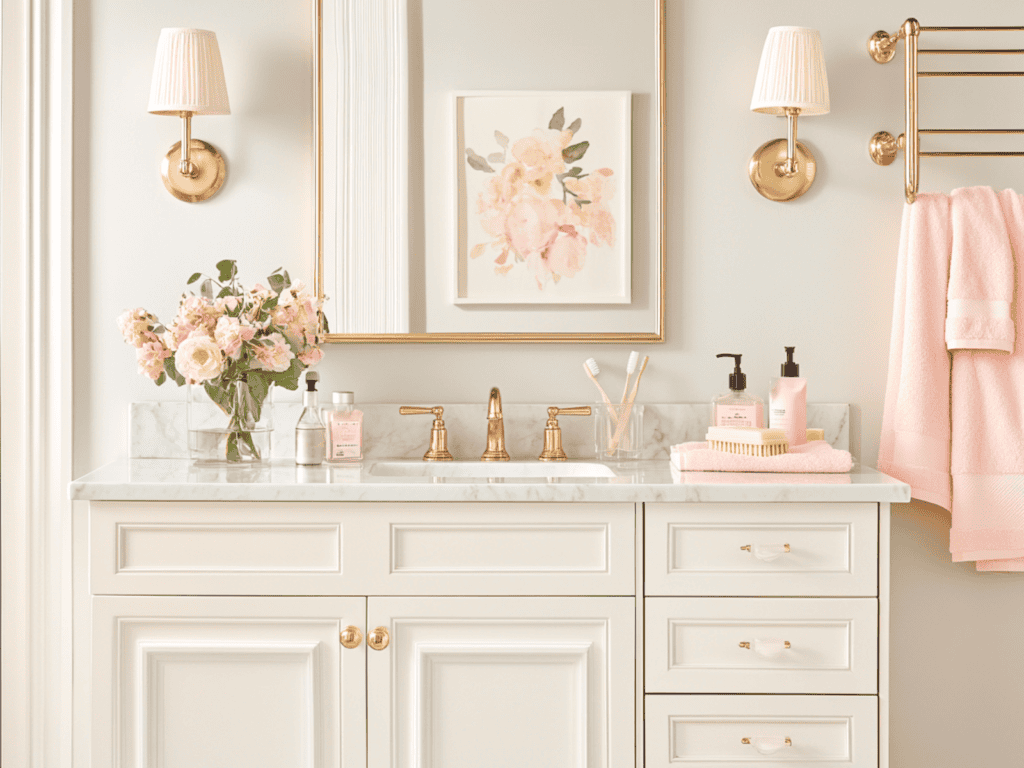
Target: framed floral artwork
(542,209)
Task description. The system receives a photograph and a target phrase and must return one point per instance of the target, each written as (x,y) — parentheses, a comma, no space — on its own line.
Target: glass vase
(229,427)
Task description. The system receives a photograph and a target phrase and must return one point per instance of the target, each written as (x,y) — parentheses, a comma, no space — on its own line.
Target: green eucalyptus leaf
(575,152)
(206,291)
(557,119)
(194,277)
(259,387)
(270,303)
(574,126)
(161,379)
(172,371)
(277,283)
(227,270)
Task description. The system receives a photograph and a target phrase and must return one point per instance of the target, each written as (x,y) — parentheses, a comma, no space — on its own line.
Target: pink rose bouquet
(234,342)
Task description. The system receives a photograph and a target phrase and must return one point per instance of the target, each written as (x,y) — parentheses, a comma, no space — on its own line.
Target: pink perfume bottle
(344,429)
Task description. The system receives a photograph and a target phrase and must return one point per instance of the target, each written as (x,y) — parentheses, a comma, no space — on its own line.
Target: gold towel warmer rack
(884,146)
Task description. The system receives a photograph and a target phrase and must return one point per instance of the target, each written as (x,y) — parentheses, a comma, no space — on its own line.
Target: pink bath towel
(953,425)
(914,444)
(987,379)
(816,456)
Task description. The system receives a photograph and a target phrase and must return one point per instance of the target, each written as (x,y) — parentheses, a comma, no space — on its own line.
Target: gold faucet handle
(579,410)
(438,450)
(553,450)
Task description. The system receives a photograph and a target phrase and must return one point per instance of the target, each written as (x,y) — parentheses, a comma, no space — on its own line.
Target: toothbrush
(592,369)
(624,419)
(634,358)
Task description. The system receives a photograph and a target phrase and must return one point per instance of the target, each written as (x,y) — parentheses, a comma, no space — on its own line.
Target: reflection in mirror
(485,177)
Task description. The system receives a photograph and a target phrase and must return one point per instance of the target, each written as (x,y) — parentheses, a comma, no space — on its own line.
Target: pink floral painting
(544,198)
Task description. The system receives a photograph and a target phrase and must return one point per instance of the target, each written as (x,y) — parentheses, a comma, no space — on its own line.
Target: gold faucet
(495,430)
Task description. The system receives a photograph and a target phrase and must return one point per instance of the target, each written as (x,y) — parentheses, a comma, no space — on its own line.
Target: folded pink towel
(987,383)
(981,269)
(757,478)
(816,456)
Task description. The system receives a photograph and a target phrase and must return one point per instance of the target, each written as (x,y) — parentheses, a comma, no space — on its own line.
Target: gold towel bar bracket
(883,146)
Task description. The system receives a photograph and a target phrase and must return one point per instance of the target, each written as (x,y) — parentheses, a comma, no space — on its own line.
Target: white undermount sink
(487,469)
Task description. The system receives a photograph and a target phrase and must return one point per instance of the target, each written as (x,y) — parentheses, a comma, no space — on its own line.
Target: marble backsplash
(158,429)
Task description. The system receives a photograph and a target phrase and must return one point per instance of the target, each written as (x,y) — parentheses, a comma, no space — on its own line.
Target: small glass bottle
(310,435)
(344,429)
(737,409)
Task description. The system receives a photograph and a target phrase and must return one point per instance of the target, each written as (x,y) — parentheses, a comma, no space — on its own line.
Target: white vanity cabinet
(216,635)
(651,620)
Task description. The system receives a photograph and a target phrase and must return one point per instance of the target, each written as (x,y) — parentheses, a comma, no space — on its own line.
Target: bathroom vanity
(377,617)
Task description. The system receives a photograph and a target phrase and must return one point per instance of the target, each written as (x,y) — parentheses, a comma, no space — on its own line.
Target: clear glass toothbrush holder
(618,432)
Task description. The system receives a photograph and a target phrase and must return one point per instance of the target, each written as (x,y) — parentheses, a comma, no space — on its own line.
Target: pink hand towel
(987,382)
(816,456)
(914,445)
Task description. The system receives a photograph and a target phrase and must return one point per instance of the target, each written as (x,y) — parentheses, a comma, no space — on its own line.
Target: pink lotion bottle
(787,404)
(344,429)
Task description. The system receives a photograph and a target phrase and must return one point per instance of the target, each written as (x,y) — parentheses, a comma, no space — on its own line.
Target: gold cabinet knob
(378,639)
(351,637)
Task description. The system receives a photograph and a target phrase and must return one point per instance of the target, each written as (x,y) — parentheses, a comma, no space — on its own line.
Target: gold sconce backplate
(767,174)
(210,175)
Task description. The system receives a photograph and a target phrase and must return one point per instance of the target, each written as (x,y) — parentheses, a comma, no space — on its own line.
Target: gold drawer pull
(351,637)
(378,639)
(766,552)
(768,648)
(767,745)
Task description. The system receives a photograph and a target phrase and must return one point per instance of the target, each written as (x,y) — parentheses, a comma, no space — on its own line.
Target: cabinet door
(502,683)
(228,682)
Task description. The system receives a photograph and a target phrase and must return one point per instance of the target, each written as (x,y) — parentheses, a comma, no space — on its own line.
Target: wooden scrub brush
(748,441)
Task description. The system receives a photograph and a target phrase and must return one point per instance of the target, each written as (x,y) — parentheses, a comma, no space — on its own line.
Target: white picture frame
(525,231)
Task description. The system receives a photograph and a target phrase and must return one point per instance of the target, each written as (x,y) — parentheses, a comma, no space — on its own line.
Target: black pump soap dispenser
(737,408)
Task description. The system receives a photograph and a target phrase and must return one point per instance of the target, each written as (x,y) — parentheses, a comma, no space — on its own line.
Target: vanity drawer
(709,731)
(761,549)
(695,645)
(267,548)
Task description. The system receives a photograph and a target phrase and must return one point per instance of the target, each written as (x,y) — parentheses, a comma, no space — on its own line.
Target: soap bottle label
(346,439)
(736,416)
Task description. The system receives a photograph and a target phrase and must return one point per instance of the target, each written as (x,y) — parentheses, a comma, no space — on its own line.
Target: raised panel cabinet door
(227,682)
(501,682)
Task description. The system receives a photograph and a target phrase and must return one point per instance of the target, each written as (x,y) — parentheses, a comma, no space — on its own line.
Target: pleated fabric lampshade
(188,75)
(792,73)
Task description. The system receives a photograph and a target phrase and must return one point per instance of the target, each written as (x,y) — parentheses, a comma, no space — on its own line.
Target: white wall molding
(365,147)
(35,226)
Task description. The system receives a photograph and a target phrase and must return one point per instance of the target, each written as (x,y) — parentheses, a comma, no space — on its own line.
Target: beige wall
(744,275)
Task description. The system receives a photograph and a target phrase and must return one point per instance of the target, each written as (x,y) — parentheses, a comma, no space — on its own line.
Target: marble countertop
(641,481)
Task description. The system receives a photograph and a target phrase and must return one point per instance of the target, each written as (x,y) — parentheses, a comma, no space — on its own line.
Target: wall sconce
(188,79)
(790,81)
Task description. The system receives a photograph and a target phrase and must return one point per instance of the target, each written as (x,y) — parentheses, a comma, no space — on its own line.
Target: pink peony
(311,356)
(276,357)
(136,326)
(230,334)
(151,356)
(532,224)
(541,154)
(566,255)
(199,358)
(598,188)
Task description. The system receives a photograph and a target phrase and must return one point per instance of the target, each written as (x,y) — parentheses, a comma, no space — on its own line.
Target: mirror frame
(491,337)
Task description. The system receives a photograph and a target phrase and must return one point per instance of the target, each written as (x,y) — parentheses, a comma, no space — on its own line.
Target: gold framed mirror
(407,249)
